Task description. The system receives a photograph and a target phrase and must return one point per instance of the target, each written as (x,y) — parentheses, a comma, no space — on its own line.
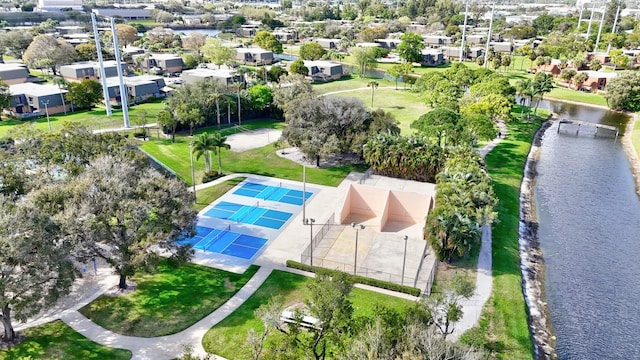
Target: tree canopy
(410,48)
(45,51)
(623,92)
(268,41)
(312,51)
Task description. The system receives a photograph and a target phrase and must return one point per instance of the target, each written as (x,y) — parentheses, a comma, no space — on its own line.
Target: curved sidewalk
(472,307)
(170,346)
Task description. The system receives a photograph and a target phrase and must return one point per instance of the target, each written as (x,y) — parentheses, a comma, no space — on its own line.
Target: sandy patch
(253,139)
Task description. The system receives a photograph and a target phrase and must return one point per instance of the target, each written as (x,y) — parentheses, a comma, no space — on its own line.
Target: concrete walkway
(170,346)
(472,307)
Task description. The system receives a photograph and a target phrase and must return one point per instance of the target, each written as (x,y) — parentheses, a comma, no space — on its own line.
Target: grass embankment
(404,105)
(635,137)
(208,195)
(94,119)
(261,161)
(56,340)
(503,325)
(167,301)
(228,338)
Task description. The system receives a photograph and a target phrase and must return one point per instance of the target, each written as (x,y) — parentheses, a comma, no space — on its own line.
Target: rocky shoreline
(531,260)
(632,155)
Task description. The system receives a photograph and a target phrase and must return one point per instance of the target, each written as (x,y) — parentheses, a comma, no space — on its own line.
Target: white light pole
(304,192)
(355,258)
(123,87)
(193,175)
(464,32)
(103,77)
(310,221)
(404,260)
(46,109)
(486,51)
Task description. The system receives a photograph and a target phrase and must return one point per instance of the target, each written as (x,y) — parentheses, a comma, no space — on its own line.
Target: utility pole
(123,88)
(593,8)
(103,76)
(486,50)
(604,11)
(613,30)
(464,32)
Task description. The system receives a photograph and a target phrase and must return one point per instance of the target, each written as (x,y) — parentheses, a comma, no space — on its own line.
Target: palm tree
(219,143)
(373,85)
(204,145)
(62,84)
(527,90)
(215,97)
(543,83)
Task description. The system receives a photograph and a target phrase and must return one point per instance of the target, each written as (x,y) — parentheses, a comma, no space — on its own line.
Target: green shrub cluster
(358,279)
(210,176)
(464,201)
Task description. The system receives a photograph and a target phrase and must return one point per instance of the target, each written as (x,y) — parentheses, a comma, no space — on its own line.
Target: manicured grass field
(405,105)
(94,119)
(503,324)
(207,196)
(635,137)
(228,338)
(168,301)
(261,161)
(577,96)
(56,340)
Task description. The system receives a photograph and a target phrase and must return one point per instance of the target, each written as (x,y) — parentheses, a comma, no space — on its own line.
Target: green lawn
(261,161)
(207,196)
(577,96)
(168,301)
(56,340)
(405,105)
(635,137)
(503,325)
(94,119)
(228,338)
(150,23)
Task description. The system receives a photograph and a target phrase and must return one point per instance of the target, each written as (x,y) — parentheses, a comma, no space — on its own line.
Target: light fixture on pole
(404,259)
(46,110)
(193,175)
(355,258)
(310,221)
(304,192)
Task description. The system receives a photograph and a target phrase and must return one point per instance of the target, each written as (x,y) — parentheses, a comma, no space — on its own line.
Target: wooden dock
(588,124)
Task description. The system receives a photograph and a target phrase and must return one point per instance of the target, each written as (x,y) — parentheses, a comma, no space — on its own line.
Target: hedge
(358,279)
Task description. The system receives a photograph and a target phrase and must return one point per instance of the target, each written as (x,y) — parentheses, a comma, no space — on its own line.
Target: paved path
(170,346)
(472,307)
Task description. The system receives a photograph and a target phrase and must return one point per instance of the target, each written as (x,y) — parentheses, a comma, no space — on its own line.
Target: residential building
(453,53)
(432,57)
(160,62)
(14,73)
(139,88)
(254,55)
(56,5)
(225,77)
(436,40)
(389,44)
(324,70)
(329,44)
(91,70)
(476,39)
(248,30)
(552,69)
(597,80)
(31,99)
(502,46)
(284,34)
(125,13)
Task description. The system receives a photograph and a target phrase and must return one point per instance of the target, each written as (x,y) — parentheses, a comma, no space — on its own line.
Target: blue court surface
(273,193)
(224,241)
(252,215)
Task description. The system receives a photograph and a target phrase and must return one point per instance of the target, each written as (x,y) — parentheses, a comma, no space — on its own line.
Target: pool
(273,193)
(224,241)
(252,215)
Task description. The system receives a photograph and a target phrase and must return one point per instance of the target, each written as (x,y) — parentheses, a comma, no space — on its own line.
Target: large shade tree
(325,125)
(35,262)
(124,212)
(45,51)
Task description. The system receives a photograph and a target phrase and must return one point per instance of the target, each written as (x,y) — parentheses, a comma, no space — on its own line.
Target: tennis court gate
(325,228)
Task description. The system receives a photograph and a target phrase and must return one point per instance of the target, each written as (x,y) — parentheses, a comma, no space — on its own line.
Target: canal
(589,232)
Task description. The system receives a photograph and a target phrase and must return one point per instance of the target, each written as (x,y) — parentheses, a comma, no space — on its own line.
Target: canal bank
(531,259)
(584,201)
(631,150)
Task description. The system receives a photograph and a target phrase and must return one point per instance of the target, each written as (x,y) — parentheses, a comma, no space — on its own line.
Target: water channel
(589,232)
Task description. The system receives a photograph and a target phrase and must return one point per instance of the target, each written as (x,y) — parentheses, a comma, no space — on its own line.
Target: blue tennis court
(225,241)
(273,193)
(252,215)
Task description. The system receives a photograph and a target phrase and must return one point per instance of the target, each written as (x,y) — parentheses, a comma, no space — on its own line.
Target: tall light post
(355,258)
(193,174)
(310,221)
(46,109)
(304,191)
(404,259)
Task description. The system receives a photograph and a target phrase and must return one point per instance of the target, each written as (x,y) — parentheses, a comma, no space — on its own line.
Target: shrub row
(358,279)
